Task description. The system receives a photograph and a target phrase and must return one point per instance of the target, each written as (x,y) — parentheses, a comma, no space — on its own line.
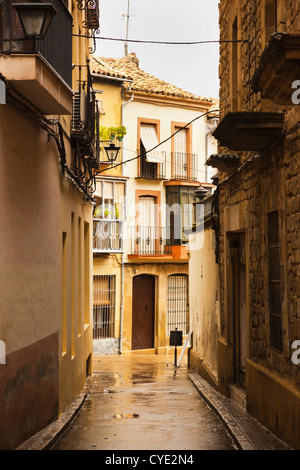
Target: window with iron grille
(104,306)
(274,281)
(177,303)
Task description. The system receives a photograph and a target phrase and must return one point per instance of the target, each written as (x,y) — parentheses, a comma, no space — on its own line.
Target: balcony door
(180,154)
(147,224)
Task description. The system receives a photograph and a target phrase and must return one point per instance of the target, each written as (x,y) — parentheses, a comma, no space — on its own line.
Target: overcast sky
(191,67)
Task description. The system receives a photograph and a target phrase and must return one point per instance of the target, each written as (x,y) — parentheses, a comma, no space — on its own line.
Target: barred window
(104,295)
(274,281)
(177,303)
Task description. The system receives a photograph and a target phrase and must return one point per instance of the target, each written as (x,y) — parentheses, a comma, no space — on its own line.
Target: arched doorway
(143,309)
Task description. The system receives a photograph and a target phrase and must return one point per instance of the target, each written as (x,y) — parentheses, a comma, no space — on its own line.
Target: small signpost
(175,340)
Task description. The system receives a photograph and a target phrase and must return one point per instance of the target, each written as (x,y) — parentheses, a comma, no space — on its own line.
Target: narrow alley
(144,403)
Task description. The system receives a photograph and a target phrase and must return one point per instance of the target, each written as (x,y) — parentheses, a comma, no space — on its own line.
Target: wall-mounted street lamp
(112,152)
(35,18)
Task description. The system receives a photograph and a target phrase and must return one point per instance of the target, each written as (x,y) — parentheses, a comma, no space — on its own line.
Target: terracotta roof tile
(128,68)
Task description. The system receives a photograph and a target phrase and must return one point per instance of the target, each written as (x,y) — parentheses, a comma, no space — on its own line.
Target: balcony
(34,68)
(85,123)
(278,68)
(107,236)
(151,170)
(147,241)
(224,161)
(249,131)
(184,166)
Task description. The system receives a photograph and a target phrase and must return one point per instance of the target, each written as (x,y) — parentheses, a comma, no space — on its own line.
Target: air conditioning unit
(79,111)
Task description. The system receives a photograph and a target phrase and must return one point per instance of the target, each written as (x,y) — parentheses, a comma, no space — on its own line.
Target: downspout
(122,259)
(122,303)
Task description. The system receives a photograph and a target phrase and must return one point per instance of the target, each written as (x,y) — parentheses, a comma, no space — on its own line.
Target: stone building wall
(266,181)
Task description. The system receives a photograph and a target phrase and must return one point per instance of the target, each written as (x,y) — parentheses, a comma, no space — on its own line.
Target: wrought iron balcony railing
(146,240)
(149,170)
(184,166)
(58,38)
(85,122)
(107,236)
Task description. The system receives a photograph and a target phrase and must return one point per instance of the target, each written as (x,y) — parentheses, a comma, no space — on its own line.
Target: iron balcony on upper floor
(107,236)
(39,69)
(184,166)
(180,166)
(85,122)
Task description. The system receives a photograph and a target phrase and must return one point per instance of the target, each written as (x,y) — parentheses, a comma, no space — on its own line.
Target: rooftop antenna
(127,24)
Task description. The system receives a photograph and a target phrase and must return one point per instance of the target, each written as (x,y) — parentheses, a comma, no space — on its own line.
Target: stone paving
(142,402)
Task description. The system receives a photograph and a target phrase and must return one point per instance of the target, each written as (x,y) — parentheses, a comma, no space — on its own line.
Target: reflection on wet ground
(143,403)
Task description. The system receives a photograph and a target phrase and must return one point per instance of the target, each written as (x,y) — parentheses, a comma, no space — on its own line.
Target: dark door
(143,312)
(238,305)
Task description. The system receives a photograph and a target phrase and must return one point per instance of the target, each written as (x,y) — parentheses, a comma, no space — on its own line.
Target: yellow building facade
(46,240)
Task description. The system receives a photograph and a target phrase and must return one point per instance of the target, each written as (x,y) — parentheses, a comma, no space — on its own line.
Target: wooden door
(143,305)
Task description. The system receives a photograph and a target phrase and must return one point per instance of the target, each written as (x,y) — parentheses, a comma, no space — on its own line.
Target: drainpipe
(122,114)
(122,303)
(122,260)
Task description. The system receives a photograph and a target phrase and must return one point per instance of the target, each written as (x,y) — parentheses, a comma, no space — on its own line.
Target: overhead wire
(171,43)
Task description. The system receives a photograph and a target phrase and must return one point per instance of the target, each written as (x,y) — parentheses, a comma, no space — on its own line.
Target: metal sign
(175,338)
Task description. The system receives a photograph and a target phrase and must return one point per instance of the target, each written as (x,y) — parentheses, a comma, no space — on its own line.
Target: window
(104,298)
(184,164)
(180,160)
(109,213)
(152,162)
(147,226)
(274,281)
(177,303)
(181,214)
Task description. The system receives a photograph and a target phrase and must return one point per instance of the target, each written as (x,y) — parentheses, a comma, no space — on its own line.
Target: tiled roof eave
(148,96)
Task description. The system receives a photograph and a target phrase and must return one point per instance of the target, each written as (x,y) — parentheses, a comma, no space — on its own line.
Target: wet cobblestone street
(141,402)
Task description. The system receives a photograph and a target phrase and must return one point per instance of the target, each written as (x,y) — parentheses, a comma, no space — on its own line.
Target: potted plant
(109,133)
(112,132)
(121,131)
(104,134)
